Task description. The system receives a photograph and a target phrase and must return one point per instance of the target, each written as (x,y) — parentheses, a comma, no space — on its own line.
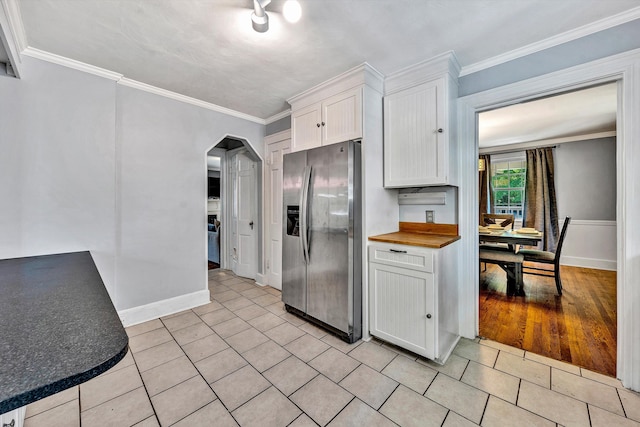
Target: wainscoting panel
(590,244)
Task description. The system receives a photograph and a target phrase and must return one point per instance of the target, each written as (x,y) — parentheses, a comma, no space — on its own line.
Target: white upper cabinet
(419,124)
(331,112)
(306,128)
(342,117)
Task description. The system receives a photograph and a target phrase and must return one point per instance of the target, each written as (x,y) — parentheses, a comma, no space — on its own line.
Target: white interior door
(244,253)
(273,198)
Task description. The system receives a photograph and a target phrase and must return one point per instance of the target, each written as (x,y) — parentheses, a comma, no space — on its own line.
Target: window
(508,177)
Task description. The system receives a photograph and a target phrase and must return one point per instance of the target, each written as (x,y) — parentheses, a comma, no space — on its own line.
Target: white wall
(57,168)
(89,164)
(585,177)
(444,214)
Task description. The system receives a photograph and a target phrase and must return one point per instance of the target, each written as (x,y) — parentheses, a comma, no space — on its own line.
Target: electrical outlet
(430,216)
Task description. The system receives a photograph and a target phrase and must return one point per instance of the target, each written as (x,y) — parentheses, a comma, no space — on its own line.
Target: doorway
(579,128)
(236,222)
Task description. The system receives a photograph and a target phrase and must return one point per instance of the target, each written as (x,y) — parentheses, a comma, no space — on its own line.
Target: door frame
(225,198)
(267,199)
(622,68)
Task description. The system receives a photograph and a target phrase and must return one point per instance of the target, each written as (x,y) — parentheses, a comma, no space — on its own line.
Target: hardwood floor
(578,327)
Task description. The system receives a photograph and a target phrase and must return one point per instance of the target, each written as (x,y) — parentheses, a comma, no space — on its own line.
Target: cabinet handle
(11,424)
(318,124)
(322,123)
(428,316)
(397,251)
(440,130)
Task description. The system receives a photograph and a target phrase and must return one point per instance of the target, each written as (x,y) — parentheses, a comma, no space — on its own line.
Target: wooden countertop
(421,234)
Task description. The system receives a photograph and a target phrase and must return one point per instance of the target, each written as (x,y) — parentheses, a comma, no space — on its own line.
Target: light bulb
(292,11)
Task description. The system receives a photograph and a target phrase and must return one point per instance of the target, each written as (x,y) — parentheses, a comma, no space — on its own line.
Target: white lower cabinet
(412,302)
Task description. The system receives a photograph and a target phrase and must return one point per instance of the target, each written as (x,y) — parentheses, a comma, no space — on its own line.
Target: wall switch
(430,216)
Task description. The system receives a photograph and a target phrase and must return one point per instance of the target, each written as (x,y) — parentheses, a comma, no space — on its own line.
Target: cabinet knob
(318,124)
(322,123)
(440,130)
(428,316)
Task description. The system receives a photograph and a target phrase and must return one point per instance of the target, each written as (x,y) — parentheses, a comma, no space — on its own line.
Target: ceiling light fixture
(292,11)
(259,18)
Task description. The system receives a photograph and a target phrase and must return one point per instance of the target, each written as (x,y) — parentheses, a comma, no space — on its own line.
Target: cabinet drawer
(402,256)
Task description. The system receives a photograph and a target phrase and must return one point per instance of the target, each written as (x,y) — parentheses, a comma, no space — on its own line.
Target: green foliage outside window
(508,182)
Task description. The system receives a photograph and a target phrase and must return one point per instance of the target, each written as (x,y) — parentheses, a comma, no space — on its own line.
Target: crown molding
(120,79)
(521,146)
(278,116)
(188,100)
(567,36)
(363,74)
(71,63)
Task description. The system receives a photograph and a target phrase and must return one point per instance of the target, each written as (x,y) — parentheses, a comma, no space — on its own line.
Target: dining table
(513,239)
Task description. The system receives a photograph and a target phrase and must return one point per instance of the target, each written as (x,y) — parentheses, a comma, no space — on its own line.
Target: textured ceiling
(206,49)
(577,113)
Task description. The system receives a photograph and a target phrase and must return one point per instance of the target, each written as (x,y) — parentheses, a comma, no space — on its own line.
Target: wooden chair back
(563,233)
(502,219)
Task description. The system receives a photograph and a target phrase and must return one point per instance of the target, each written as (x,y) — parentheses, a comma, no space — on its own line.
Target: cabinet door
(306,128)
(414,149)
(342,117)
(402,307)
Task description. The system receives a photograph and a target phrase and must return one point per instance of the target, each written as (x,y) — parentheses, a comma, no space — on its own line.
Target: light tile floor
(243,360)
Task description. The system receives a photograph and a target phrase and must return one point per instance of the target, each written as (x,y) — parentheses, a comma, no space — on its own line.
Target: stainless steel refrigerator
(322,237)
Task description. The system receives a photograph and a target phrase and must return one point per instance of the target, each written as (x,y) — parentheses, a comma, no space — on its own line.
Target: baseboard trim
(144,313)
(261,279)
(598,264)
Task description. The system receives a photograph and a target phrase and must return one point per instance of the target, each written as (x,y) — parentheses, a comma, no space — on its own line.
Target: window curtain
(540,207)
(485,194)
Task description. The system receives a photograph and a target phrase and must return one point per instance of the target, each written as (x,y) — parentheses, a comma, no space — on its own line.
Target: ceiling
(206,49)
(578,113)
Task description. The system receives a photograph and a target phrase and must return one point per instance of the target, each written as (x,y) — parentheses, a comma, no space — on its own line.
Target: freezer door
(293,263)
(329,272)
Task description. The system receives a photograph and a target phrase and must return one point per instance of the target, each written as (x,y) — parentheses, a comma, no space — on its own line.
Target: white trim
(276,117)
(71,63)
(363,74)
(277,137)
(120,79)
(597,264)
(520,146)
(625,69)
(143,313)
(187,99)
(567,36)
(16,26)
(10,32)
(594,222)
(261,279)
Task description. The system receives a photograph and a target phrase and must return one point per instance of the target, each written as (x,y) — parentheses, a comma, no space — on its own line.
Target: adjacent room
(577,323)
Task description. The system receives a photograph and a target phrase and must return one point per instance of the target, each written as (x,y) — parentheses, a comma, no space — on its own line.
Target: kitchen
(146,266)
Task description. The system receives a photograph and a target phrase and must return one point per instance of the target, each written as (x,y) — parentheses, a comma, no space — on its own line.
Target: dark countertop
(421,234)
(58,329)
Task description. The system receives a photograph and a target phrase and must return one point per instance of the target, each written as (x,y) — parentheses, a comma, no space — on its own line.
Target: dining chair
(546,257)
(504,220)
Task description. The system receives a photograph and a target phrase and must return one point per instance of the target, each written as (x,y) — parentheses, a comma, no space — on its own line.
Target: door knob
(251,224)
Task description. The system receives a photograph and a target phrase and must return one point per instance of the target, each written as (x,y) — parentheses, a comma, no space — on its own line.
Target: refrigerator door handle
(304,207)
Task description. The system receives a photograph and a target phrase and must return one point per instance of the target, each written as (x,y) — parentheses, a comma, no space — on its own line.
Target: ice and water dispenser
(293,220)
